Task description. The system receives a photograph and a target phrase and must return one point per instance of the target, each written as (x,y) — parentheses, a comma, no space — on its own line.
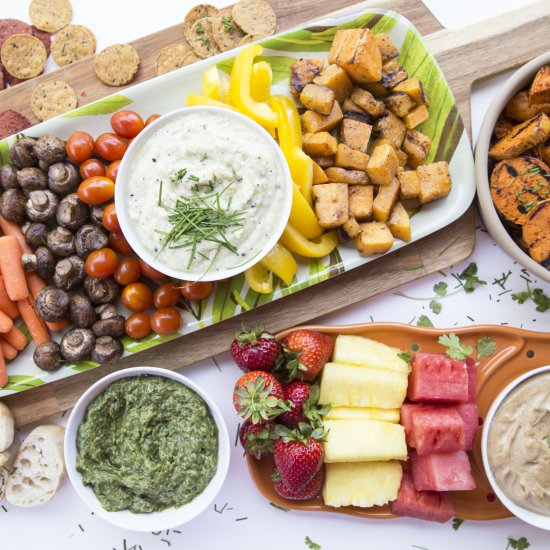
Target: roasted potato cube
(384,200)
(320,144)
(331,204)
(319,175)
(388,50)
(383,165)
(399,103)
(317,98)
(502,126)
(337,80)
(410,184)
(434,180)
(540,87)
(392,128)
(367,102)
(360,201)
(522,137)
(414,89)
(416,146)
(303,72)
(415,117)
(352,228)
(351,177)
(399,223)
(346,157)
(350,107)
(315,122)
(355,134)
(520,107)
(375,238)
(323,162)
(392,74)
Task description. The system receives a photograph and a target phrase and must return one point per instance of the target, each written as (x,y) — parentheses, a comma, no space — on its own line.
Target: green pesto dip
(147,443)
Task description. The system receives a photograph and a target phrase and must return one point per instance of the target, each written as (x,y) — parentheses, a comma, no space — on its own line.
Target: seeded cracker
(23,56)
(73,43)
(255,17)
(194,14)
(202,38)
(52,99)
(117,65)
(226,32)
(171,57)
(50,15)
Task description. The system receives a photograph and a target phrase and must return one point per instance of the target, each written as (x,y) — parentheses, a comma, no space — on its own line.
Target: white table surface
(240,516)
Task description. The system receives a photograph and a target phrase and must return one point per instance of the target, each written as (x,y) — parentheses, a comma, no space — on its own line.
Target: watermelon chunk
(438,430)
(470,417)
(472,380)
(441,472)
(438,378)
(427,505)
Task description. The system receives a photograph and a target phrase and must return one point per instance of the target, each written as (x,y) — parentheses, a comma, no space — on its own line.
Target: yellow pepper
(281,262)
(302,216)
(317,248)
(260,82)
(259,279)
(211,83)
(197,99)
(239,89)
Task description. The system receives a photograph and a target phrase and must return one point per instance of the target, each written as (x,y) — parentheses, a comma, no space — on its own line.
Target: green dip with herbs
(147,443)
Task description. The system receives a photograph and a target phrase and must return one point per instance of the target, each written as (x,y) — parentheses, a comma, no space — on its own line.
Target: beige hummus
(519,444)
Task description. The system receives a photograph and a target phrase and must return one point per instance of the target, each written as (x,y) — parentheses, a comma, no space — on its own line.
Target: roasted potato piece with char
(317,98)
(352,228)
(536,233)
(392,128)
(351,177)
(399,222)
(346,157)
(416,146)
(319,175)
(375,238)
(331,204)
(392,74)
(315,122)
(367,102)
(388,50)
(416,117)
(360,201)
(399,103)
(540,87)
(415,90)
(384,200)
(355,134)
(410,185)
(382,165)
(435,181)
(320,144)
(337,80)
(303,72)
(520,107)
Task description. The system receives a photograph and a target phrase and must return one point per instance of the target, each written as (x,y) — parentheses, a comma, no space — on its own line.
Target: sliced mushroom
(69,272)
(41,205)
(112,326)
(32,179)
(72,213)
(12,206)
(22,152)
(77,344)
(96,214)
(61,242)
(88,238)
(52,304)
(105,311)
(81,311)
(35,234)
(47,356)
(45,262)
(101,291)
(63,177)
(8,177)
(50,149)
(107,350)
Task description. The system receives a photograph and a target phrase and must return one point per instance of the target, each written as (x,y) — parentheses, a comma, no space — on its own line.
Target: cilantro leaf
(424,321)
(455,350)
(518,544)
(435,306)
(441,288)
(312,545)
(457,522)
(486,346)
(469,279)
(407,357)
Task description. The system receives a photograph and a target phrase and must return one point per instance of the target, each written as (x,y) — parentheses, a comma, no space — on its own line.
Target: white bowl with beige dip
(515,447)
(197,159)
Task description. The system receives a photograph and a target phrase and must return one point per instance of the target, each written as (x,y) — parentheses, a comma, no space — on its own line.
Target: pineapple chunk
(353,386)
(364,441)
(362,413)
(361,484)
(399,223)
(364,352)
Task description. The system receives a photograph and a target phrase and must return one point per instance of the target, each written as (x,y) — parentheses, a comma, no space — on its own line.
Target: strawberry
(310,490)
(302,399)
(306,352)
(255,350)
(258,397)
(257,439)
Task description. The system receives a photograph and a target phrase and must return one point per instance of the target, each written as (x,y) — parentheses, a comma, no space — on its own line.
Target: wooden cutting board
(465,55)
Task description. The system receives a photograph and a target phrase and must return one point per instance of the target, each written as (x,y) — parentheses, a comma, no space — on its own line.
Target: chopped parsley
(455,350)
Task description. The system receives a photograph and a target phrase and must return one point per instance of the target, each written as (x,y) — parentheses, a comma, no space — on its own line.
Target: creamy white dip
(218,154)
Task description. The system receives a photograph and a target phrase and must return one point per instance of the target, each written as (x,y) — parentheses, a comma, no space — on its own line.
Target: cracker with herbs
(23,56)
(202,38)
(172,57)
(255,17)
(50,15)
(52,99)
(117,65)
(73,43)
(227,33)
(194,14)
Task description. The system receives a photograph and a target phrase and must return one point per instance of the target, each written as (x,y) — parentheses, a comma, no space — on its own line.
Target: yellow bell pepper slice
(239,89)
(317,248)
(281,262)
(302,216)
(197,99)
(301,170)
(211,83)
(289,128)
(259,279)
(260,82)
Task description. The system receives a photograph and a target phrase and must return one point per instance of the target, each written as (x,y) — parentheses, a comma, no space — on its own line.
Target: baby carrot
(3,371)
(6,305)
(8,351)
(16,338)
(12,268)
(35,324)
(11,228)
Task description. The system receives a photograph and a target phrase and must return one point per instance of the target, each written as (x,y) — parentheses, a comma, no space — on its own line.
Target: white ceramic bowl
(517,82)
(122,190)
(155,521)
(533,518)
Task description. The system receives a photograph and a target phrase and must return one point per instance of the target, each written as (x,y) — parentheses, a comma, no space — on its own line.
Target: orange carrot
(11,228)
(5,322)
(6,305)
(35,324)
(35,283)
(8,351)
(12,268)
(16,337)
(3,371)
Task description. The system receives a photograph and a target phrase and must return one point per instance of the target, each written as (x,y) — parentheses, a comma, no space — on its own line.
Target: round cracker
(117,65)
(9,27)
(226,32)
(171,57)
(202,38)
(52,99)
(50,15)
(255,17)
(73,43)
(194,14)
(23,56)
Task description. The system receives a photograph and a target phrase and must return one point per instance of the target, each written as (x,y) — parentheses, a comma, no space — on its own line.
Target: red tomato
(80,147)
(150,119)
(110,146)
(166,320)
(101,263)
(96,190)
(92,167)
(137,296)
(194,291)
(128,271)
(118,242)
(138,325)
(167,295)
(110,219)
(151,272)
(127,124)
(112,169)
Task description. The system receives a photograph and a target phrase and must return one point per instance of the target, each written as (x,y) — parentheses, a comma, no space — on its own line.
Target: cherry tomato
(150,119)
(167,295)
(110,146)
(194,291)
(101,263)
(151,272)
(166,320)
(92,167)
(127,124)
(137,296)
(80,147)
(128,271)
(96,190)
(112,169)
(118,242)
(138,325)
(110,219)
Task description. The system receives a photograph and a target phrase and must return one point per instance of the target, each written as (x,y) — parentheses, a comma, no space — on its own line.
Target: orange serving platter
(517,351)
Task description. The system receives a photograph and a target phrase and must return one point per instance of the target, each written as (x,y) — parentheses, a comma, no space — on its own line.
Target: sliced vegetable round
(127,123)
(118,242)
(96,190)
(101,263)
(80,147)
(197,290)
(91,167)
(167,295)
(166,320)
(110,146)
(138,325)
(137,297)
(110,218)
(112,169)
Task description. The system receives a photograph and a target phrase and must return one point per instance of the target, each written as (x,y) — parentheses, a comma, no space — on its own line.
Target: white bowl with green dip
(146,449)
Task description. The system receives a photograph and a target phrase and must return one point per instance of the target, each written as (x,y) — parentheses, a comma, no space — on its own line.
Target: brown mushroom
(69,272)
(12,206)
(107,350)
(81,311)
(8,177)
(101,291)
(32,179)
(22,152)
(72,213)
(96,214)
(50,149)
(88,238)
(77,344)
(41,205)
(35,234)
(52,304)
(63,177)
(112,326)
(47,356)
(61,242)
(105,311)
